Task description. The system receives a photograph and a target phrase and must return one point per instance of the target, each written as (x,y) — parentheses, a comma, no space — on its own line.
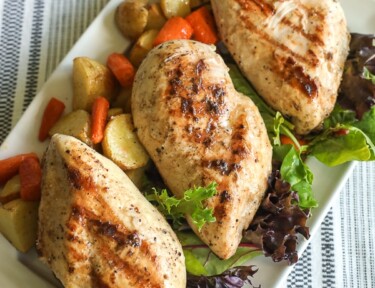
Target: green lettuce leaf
(192,204)
(345,138)
(298,174)
(367,124)
(293,168)
(200,260)
(335,150)
(368,75)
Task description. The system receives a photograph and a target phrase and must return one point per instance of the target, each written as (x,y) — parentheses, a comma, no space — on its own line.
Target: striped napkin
(34,37)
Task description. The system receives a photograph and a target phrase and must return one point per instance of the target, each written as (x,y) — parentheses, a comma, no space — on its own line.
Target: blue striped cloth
(34,37)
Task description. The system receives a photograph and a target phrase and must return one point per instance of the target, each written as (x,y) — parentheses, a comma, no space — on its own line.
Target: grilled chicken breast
(95,227)
(292,51)
(198,130)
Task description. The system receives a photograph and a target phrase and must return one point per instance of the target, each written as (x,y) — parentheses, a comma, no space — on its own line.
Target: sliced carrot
(175,28)
(202,22)
(285,140)
(122,69)
(30,179)
(9,167)
(99,114)
(52,113)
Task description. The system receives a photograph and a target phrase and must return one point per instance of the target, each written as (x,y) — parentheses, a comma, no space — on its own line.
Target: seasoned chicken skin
(292,51)
(96,229)
(199,130)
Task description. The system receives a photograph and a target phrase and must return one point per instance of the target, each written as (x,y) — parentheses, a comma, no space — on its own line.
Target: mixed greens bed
(347,134)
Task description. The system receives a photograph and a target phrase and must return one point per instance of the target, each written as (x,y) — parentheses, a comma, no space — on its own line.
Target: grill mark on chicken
(138,276)
(260,5)
(310,60)
(207,105)
(109,232)
(288,70)
(100,230)
(268,10)
(294,75)
(96,280)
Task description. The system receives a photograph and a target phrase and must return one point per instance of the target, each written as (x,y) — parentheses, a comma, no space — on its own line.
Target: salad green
(347,134)
(190,204)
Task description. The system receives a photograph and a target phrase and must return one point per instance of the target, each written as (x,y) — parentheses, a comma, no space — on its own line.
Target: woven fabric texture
(35,35)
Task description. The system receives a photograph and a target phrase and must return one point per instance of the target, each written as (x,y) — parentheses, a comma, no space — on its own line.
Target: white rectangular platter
(99,40)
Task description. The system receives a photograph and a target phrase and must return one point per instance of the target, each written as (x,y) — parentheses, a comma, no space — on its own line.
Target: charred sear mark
(175,84)
(219,93)
(78,180)
(196,85)
(200,67)
(224,196)
(259,5)
(220,212)
(224,167)
(296,77)
(213,107)
(238,142)
(97,280)
(111,231)
(268,11)
(187,106)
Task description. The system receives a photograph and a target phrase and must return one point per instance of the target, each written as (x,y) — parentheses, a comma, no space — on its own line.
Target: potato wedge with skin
(143,45)
(131,18)
(172,8)
(123,99)
(11,190)
(76,124)
(18,223)
(114,112)
(196,3)
(121,144)
(156,18)
(91,80)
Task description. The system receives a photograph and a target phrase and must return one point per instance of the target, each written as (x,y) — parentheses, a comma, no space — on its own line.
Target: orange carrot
(99,119)
(52,113)
(122,69)
(30,179)
(285,140)
(174,28)
(9,167)
(202,22)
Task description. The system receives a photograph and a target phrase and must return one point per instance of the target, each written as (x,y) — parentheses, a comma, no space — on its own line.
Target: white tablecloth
(35,35)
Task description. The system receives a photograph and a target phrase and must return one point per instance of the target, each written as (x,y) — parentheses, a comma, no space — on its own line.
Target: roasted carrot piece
(99,114)
(10,166)
(175,28)
(122,69)
(202,22)
(287,140)
(52,113)
(30,179)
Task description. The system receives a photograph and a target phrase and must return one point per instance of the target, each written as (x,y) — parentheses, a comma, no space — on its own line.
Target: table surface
(34,37)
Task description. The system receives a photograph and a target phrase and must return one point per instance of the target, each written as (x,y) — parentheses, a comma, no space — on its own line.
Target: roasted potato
(18,223)
(172,8)
(123,99)
(156,18)
(131,18)
(136,175)
(114,112)
(11,190)
(76,124)
(196,3)
(142,47)
(91,80)
(121,144)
